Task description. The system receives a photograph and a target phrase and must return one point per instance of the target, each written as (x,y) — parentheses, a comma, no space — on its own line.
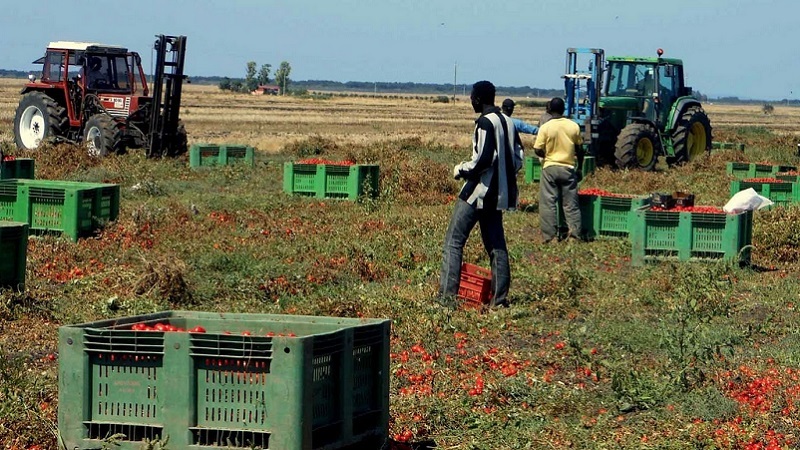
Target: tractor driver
(94,77)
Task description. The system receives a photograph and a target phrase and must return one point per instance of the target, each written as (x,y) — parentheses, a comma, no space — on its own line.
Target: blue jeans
(494,241)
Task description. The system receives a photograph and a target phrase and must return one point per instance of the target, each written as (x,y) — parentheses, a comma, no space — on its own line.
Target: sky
(729,47)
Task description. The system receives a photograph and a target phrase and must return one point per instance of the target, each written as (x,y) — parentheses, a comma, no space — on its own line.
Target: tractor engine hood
(625,103)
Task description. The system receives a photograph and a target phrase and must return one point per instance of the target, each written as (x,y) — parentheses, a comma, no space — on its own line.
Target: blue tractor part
(582,91)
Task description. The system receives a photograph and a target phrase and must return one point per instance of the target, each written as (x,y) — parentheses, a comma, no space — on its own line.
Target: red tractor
(98,94)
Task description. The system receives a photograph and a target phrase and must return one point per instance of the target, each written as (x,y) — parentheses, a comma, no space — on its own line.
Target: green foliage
(691,332)
(263,73)
(441,99)
(225,84)
(282,76)
(251,80)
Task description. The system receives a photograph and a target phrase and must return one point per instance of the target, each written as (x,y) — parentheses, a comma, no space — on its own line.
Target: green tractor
(634,110)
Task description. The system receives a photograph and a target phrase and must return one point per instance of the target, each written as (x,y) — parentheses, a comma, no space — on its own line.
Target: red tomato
(160,327)
(245,333)
(197,329)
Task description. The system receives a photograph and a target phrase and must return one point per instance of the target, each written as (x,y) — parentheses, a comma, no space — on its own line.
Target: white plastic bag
(746,200)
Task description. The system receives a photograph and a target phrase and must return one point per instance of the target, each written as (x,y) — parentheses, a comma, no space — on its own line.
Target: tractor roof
(86,46)
(638,59)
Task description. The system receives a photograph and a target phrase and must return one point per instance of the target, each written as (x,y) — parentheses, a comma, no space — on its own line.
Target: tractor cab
(642,87)
(86,78)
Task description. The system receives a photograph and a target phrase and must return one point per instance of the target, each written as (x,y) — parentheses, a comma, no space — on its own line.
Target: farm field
(592,352)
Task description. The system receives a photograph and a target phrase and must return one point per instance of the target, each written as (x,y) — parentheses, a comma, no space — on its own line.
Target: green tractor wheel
(638,147)
(692,136)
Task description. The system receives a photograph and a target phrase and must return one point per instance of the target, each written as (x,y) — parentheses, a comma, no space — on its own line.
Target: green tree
(263,74)
(225,84)
(282,76)
(250,80)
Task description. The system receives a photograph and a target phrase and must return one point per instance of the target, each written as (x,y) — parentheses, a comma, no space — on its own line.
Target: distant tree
(282,76)
(250,80)
(263,74)
(225,84)
(768,109)
(237,86)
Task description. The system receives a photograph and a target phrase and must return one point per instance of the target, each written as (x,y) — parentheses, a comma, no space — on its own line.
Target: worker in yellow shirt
(559,142)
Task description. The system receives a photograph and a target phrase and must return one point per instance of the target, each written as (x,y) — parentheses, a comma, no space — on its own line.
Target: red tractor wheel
(102,135)
(38,119)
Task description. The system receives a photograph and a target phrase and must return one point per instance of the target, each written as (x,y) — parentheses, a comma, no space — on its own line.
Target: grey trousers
(559,182)
(464,219)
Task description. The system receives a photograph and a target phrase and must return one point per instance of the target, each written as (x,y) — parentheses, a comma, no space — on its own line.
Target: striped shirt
(491,175)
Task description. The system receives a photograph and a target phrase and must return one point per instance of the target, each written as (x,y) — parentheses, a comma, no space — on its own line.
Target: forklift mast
(167,84)
(582,89)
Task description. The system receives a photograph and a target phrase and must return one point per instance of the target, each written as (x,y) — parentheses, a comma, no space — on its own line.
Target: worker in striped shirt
(490,187)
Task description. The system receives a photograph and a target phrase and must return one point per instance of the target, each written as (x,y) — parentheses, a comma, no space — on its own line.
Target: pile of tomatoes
(763,180)
(602,193)
(691,209)
(325,161)
(165,327)
(9,158)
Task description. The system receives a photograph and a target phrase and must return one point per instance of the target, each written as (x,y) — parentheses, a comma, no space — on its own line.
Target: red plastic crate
(475,287)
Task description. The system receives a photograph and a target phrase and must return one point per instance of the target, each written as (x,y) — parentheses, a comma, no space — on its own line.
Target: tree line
(253,79)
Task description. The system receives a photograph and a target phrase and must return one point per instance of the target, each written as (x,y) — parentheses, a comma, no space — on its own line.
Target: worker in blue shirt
(520,125)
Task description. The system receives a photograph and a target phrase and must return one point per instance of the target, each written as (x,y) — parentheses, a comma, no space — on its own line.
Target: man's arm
(538,146)
(524,127)
(482,153)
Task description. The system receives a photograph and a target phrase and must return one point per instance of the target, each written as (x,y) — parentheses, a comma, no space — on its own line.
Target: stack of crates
(752,170)
(276,382)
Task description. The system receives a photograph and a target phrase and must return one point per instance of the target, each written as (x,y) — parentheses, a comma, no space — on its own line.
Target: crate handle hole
(286,349)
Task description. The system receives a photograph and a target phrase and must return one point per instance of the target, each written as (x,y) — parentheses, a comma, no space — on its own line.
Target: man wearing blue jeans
(490,188)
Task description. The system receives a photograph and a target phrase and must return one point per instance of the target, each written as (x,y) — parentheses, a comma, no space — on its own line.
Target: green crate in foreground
(687,236)
(74,208)
(782,194)
(275,382)
(13,254)
(16,168)
(532,168)
(331,180)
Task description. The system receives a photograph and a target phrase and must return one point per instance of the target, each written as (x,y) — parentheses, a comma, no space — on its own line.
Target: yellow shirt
(558,137)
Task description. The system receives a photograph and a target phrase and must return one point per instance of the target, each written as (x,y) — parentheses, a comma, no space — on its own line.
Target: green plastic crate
(73,208)
(686,236)
(787,176)
(609,216)
(330,180)
(532,168)
(752,170)
(781,194)
(727,146)
(13,254)
(16,168)
(327,387)
(8,199)
(205,155)
(604,215)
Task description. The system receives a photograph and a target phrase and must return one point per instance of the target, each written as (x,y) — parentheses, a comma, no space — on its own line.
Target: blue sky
(729,47)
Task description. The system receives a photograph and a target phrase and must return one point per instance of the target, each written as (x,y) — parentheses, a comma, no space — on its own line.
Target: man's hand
(539,152)
(456,172)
